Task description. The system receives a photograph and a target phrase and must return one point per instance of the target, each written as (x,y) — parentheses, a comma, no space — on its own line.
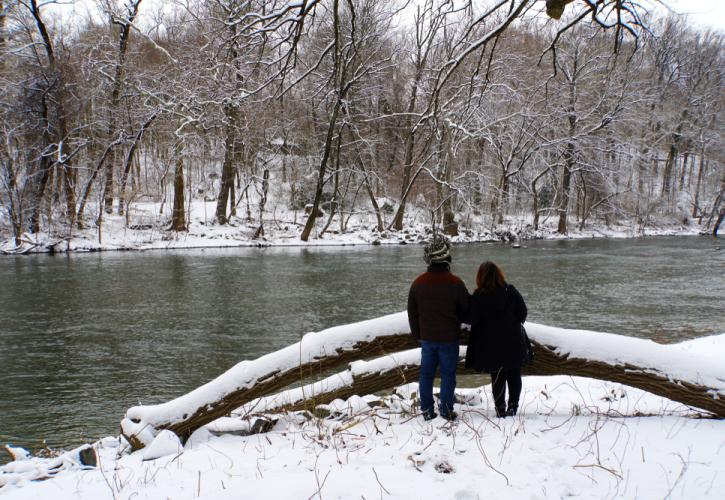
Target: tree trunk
(68,180)
(641,174)
(719,220)
(371,193)
(696,201)
(374,203)
(310,223)
(129,163)
(718,206)
(116,91)
(14,196)
(275,371)
(565,187)
(397,223)
(67,175)
(450,226)
(178,217)
(401,208)
(535,197)
(91,179)
(683,172)
(495,201)
(570,149)
(342,86)
(262,203)
(233,149)
(582,201)
(42,175)
(5,159)
(336,201)
(108,186)
(369,377)
(405,182)
(668,170)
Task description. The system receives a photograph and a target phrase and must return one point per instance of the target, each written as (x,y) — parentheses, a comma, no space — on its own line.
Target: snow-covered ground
(573,437)
(146,229)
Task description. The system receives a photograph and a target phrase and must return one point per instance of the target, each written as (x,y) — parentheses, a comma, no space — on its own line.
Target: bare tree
(339,105)
(355,30)
(428,21)
(49,94)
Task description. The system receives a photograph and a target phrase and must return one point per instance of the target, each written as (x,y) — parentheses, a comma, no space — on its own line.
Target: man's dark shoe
(511,410)
(429,415)
(500,411)
(451,417)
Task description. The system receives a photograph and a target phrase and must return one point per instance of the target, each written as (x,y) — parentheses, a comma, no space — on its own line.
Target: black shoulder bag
(527,350)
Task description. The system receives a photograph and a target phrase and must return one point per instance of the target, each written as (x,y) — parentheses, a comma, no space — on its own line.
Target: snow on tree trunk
(249,380)
(665,370)
(361,377)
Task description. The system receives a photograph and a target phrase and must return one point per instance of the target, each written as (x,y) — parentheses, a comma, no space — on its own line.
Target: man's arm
(463,304)
(413,317)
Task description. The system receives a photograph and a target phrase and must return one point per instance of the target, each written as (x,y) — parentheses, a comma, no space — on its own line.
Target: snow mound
(165,443)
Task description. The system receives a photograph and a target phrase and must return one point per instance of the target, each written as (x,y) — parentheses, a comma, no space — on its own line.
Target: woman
(496,314)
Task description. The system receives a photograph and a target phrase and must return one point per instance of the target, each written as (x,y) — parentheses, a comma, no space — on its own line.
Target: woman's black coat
(495,340)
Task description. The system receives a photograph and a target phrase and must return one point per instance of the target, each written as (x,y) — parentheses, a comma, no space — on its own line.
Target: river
(85,336)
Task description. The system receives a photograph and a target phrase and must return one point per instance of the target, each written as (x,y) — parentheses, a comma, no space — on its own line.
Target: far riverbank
(148,232)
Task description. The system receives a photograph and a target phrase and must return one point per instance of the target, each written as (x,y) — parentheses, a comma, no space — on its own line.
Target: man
(437,302)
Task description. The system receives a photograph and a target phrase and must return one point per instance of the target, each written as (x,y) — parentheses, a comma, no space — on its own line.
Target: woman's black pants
(502,378)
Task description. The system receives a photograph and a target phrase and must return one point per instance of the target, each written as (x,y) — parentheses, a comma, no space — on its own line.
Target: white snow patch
(574,437)
(165,443)
(665,360)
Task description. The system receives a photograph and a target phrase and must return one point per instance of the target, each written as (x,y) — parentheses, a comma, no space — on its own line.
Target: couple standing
(438,302)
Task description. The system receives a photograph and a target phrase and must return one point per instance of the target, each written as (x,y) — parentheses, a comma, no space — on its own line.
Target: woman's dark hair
(489,277)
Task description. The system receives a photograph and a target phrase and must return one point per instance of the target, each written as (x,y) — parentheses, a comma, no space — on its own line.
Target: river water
(83,337)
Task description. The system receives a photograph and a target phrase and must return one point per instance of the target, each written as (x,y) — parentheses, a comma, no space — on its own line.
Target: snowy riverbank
(574,437)
(146,230)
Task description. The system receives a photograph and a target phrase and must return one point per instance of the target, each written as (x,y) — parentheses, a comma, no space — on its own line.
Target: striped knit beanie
(437,250)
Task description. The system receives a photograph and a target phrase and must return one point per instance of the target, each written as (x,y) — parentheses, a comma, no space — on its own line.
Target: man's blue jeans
(432,356)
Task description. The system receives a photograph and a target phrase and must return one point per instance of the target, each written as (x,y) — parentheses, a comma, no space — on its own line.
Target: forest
(348,111)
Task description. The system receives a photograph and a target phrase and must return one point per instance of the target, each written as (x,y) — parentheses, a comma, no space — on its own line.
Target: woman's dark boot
(512,409)
(500,411)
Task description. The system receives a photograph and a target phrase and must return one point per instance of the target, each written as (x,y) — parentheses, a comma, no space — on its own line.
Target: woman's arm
(520,310)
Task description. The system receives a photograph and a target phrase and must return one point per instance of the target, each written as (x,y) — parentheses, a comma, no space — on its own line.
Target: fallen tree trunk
(367,377)
(664,370)
(361,377)
(248,380)
(667,370)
